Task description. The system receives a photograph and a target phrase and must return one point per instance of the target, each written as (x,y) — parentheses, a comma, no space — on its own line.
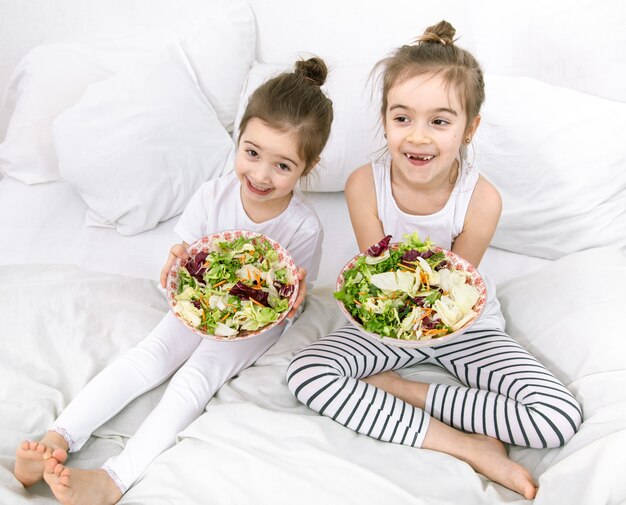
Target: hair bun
(313,69)
(441,33)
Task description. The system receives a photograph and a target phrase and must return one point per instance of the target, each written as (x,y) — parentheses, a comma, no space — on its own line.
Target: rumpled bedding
(256,444)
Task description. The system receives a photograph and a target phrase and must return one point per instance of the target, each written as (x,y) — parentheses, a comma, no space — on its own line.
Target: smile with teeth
(419,157)
(258,189)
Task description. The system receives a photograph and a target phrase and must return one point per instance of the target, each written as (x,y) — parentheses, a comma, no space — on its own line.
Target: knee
(192,387)
(563,422)
(574,419)
(309,372)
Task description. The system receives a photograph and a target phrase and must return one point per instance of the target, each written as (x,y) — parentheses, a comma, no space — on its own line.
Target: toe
(60,455)
(58,469)
(49,466)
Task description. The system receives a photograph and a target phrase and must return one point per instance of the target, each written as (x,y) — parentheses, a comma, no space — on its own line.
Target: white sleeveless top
(442,227)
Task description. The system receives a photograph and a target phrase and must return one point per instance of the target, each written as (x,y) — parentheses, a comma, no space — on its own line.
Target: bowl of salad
(235,284)
(410,293)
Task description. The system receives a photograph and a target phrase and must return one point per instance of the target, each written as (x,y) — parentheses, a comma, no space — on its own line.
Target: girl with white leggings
(432,92)
(282,133)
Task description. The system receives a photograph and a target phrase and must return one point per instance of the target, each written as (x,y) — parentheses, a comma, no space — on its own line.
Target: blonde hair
(293,101)
(436,53)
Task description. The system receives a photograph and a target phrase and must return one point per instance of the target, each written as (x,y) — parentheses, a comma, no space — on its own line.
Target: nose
(418,135)
(263,172)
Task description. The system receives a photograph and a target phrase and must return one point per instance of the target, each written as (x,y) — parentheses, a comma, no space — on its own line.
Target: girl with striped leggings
(431,97)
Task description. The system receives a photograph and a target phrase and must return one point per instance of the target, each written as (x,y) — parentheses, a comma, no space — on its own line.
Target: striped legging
(507,393)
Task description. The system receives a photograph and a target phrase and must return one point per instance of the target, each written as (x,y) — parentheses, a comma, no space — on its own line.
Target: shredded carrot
(225,317)
(434,331)
(220,283)
(402,265)
(258,303)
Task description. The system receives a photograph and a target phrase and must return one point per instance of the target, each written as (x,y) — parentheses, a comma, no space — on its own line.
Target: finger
(179,251)
(302,291)
(298,302)
(165,271)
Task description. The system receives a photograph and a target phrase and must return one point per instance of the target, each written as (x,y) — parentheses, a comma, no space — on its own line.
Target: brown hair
(436,53)
(294,101)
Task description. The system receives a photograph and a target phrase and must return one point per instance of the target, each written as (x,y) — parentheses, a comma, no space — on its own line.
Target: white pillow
(138,145)
(355,135)
(53,77)
(48,80)
(221,50)
(569,314)
(558,158)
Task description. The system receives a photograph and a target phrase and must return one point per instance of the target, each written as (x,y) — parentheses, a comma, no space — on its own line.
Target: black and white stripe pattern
(507,393)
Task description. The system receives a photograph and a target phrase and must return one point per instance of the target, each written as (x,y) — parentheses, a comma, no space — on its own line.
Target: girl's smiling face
(268,167)
(425,123)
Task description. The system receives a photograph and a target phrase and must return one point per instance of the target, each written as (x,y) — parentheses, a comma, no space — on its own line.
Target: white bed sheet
(256,444)
(45,223)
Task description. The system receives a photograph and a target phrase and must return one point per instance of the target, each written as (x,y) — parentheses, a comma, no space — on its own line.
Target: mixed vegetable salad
(235,287)
(408,291)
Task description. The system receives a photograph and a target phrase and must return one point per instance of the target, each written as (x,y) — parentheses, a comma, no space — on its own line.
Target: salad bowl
(236,284)
(392,299)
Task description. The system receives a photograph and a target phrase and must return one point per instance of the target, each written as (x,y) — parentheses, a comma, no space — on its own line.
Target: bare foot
(31,457)
(382,379)
(484,454)
(73,486)
(490,459)
(411,392)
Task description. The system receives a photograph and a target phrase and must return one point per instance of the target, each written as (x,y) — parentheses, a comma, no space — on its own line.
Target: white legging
(207,365)
(507,393)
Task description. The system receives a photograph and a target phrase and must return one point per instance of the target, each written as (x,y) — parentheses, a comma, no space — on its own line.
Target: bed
(92,184)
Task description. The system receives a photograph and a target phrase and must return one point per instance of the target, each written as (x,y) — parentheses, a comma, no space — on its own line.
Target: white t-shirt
(216,206)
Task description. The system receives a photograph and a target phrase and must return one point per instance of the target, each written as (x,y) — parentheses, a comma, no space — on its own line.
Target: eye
(401,119)
(252,153)
(284,167)
(441,122)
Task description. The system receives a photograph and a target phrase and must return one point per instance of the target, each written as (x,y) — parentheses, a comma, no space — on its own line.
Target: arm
(483,214)
(361,199)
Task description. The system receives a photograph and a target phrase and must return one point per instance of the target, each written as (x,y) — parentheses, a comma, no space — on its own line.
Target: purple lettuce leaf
(381,247)
(195,266)
(284,290)
(244,292)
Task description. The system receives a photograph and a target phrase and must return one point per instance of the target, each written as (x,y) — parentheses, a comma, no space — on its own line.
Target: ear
(472,127)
